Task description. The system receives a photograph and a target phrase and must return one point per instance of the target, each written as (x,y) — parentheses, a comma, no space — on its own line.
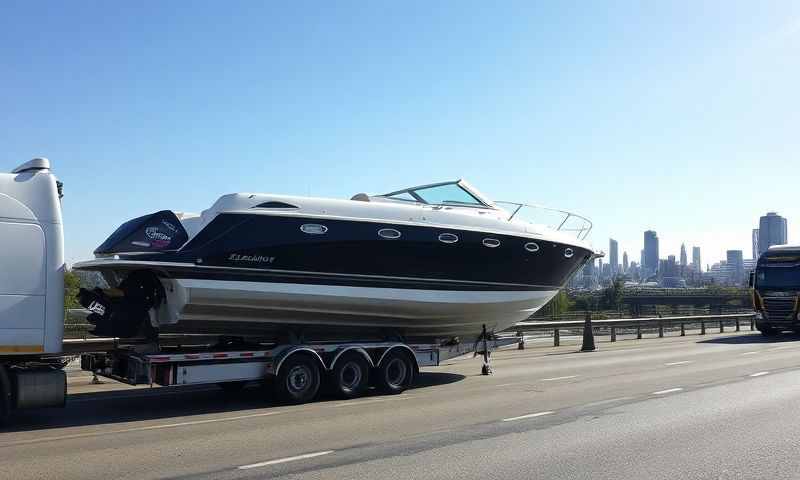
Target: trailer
(33,352)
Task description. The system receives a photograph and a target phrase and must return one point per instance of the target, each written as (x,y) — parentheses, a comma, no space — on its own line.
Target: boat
(435,262)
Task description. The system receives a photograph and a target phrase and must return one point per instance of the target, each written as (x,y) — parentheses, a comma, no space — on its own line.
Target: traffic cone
(588,335)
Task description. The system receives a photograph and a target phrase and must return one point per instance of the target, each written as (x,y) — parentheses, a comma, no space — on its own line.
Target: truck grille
(779,308)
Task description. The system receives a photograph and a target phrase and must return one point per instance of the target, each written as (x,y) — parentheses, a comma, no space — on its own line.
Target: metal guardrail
(657,323)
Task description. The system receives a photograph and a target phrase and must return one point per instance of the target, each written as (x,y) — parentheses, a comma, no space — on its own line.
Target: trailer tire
(350,376)
(298,380)
(395,373)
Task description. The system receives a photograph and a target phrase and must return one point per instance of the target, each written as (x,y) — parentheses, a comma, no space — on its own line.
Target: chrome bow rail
(559,220)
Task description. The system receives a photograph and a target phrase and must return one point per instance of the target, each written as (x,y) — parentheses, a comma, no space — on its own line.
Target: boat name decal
(170,226)
(153,233)
(237,257)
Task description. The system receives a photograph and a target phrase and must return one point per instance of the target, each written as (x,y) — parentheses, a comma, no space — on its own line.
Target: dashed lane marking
(669,390)
(285,460)
(684,362)
(530,415)
(759,374)
(558,378)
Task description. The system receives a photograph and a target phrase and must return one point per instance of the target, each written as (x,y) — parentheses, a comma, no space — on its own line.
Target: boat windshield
(559,220)
(451,193)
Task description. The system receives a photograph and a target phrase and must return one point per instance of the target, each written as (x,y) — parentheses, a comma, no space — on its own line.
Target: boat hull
(209,306)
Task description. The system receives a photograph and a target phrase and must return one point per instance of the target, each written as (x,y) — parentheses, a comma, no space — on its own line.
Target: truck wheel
(298,380)
(350,376)
(395,373)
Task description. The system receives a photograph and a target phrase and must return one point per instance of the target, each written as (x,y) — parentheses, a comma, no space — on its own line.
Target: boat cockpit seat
(361,197)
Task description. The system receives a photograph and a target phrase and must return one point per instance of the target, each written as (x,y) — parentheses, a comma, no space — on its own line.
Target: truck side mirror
(751,282)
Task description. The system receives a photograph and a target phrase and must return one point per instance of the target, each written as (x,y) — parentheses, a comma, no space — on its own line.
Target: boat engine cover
(160,231)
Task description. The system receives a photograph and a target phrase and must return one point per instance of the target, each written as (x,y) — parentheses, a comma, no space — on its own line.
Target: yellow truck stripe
(21,348)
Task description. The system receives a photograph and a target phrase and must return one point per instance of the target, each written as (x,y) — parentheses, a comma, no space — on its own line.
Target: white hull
(411,312)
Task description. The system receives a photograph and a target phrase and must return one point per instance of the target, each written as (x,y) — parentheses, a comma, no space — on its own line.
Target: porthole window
(448,238)
(491,242)
(568,253)
(314,229)
(532,247)
(389,233)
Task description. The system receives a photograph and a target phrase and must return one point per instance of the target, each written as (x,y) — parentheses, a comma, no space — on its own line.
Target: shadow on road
(119,406)
(752,339)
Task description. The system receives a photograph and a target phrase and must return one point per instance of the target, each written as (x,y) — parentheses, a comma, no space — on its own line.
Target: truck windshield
(778,277)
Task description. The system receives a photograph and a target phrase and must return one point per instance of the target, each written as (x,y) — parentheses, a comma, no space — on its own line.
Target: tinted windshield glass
(447,194)
(778,277)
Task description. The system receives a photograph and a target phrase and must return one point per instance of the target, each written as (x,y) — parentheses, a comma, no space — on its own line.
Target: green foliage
(561,303)
(71,287)
(611,297)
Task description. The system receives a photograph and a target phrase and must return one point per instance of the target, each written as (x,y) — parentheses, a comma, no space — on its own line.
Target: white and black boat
(434,262)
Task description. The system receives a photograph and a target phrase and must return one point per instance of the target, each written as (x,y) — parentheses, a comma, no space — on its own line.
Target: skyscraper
(650,252)
(613,255)
(684,261)
(755,244)
(696,259)
(624,262)
(771,231)
(736,265)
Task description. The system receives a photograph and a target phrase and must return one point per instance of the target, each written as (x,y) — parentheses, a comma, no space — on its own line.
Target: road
(714,406)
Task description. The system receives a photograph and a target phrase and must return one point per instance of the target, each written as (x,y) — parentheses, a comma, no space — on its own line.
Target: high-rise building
(650,252)
(624,262)
(736,265)
(613,255)
(771,231)
(755,244)
(684,261)
(696,259)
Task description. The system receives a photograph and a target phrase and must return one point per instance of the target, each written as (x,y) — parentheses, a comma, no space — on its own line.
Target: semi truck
(775,287)
(33,352)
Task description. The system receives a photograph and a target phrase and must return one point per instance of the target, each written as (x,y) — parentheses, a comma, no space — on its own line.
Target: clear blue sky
(682,117)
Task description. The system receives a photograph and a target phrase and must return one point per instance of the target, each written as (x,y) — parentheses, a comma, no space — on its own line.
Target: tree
(71,288)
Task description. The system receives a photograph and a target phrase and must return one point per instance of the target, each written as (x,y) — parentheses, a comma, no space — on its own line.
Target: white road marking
(139,429)
(669,390)
(558,378)
(678,363)
(350,403)
(530,415)
(779,348)
(751,353)
(759,374)
(610,400)
(284,460)
(509,384)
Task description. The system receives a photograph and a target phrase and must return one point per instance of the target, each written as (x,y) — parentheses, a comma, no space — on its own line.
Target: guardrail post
(721,326)
(660,329)
(613,334)
(683,329)
(521,341)
(702,327)
(737,324)
(638,331)
(556,338)
(588,335)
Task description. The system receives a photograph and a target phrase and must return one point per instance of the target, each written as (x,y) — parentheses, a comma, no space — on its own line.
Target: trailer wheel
(298,380)
(395,373)
(350,376)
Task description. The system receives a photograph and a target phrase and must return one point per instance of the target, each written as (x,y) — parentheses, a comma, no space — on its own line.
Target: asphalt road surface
(716,406)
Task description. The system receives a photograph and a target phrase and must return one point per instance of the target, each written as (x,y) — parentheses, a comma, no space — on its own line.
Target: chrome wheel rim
(299,379)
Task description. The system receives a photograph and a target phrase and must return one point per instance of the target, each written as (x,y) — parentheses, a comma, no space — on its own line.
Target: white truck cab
(31,261)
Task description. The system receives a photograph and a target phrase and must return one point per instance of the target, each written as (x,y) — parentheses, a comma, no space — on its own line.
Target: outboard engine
(124,311)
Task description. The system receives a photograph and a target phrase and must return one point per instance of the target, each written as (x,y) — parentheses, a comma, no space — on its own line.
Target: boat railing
(559,220)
